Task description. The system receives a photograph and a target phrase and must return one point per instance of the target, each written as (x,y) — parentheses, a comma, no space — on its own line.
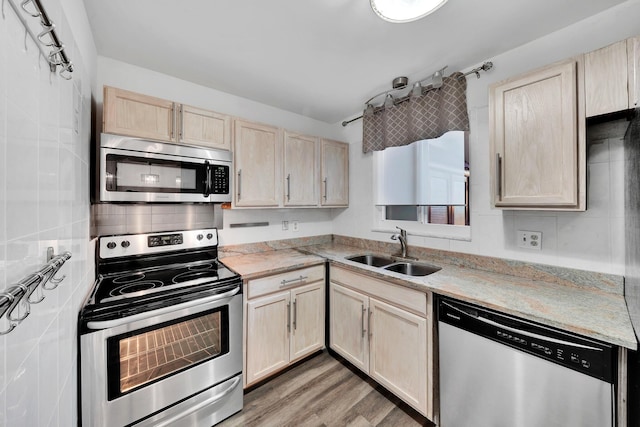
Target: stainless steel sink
(412,268)
(372,260)
(391,264)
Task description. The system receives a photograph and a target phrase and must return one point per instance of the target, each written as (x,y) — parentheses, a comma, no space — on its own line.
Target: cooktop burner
(136,284)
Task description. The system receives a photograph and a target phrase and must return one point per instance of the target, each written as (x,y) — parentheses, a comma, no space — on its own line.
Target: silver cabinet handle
(369,324)
(498,176)
(325,189)
(289,317)
(290,281)
(362,320)
(288,187)
(181,118)
(173,120)
(295,315)
(239,181)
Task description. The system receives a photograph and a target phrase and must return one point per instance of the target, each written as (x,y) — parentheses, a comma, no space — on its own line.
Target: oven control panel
(150,243)
(165,240)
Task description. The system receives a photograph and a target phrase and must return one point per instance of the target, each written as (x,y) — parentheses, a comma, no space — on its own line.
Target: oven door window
(139,358)
(139,174)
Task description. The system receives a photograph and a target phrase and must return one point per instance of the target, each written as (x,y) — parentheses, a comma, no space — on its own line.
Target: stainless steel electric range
(161,333)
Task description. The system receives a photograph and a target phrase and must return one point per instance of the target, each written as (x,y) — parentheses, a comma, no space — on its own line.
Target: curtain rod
(484,67)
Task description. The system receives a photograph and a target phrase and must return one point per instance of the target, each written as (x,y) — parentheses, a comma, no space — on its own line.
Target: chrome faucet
(403,241)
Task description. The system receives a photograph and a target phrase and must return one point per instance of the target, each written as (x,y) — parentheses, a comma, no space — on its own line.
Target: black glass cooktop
(138,284)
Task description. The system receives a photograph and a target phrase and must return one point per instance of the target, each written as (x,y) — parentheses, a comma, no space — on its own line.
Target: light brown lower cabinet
(284,321)
(386,331)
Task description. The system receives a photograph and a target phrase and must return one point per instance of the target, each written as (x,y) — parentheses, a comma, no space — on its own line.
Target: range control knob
(125,244)
(111,245)
(199,236)
(209,236)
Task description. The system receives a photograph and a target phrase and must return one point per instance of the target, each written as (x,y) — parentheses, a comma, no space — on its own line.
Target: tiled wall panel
(44,201)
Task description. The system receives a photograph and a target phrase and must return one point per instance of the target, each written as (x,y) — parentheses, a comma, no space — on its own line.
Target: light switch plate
(530,239)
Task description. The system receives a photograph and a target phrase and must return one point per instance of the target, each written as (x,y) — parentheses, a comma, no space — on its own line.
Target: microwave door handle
(207,184)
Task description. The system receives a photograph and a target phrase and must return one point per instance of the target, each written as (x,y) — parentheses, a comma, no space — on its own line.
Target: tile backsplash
(110,218)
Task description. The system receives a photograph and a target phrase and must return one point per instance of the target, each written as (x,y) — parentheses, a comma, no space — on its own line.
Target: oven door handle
(105,324)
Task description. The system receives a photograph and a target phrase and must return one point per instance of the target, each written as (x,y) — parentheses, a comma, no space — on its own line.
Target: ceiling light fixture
(399,11)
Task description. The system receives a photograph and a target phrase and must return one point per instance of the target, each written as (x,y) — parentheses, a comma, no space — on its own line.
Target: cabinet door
(204,128)
(633,71)
(133,114)
(398,352)
(348,319)
(605,80)
(334,158)
(257,154)
(307,324)
(268,329)
(300,170)
(535,140)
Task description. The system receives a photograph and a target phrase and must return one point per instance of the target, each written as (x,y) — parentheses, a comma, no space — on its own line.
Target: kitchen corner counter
(589,311)
(255,265)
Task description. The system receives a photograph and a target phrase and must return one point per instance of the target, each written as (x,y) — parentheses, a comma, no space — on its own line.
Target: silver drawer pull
(290,281)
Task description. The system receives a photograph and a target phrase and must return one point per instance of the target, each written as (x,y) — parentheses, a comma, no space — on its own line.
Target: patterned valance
(428,116)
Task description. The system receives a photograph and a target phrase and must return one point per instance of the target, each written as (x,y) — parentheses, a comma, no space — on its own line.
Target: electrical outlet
(285,225)
(530,239)
(294,225)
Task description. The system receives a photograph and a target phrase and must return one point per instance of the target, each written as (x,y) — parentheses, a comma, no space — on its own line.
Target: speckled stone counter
(587,303)
(254,265)
(584,309)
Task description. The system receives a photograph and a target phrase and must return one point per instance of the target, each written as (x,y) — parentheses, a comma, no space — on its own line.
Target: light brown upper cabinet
(537,139)
(300,170)
(257,152)
(610,78)
(334,172)
(133,114)
(204,128)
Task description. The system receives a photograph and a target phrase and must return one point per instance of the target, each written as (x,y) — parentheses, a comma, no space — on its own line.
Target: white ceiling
(317,58)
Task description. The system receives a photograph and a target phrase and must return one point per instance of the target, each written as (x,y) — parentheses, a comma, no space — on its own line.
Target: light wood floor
(323,391)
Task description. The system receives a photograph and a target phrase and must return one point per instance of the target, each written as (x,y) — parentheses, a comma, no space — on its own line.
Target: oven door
(137,368)
(133,176)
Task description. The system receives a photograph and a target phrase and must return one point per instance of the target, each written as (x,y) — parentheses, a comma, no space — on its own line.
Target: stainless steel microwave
(138,170)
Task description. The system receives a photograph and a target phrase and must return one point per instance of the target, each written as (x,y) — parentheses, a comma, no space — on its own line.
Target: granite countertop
(254,265)
(569,305)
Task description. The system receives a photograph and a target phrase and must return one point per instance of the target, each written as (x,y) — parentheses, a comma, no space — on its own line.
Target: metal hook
(57,264)
(36,288)
(26,304)
(10,298)
(47,31)
(53,53)
(24,3)
(12,326)
(68,69)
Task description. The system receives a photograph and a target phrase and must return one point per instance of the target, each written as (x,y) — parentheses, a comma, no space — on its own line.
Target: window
(424,187)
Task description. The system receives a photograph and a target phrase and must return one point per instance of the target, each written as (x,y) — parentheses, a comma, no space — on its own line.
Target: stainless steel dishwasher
(500,371)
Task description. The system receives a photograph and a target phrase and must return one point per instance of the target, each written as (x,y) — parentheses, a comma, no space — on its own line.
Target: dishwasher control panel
(593,358)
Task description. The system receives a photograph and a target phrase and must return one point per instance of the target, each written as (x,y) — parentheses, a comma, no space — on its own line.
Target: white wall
(591,240)
(44,167)
(141,80)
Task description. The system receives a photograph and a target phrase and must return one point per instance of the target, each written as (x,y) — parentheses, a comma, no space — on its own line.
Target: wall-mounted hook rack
(46,38)
(16,301)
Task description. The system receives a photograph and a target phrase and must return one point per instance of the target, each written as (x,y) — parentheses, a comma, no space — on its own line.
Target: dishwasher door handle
(519,331)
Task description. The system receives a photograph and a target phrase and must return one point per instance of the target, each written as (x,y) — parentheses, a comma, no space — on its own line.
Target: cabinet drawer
(286,280)
(407,298)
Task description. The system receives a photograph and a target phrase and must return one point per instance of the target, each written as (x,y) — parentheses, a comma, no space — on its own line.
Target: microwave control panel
(219,179)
